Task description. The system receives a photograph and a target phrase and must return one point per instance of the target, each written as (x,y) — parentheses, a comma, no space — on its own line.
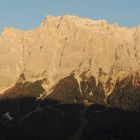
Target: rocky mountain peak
(69,44)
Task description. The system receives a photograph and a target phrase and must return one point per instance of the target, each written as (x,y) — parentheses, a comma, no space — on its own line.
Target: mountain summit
(71,46)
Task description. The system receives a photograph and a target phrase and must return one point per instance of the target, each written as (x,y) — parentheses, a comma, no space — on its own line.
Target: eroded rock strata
(72,58)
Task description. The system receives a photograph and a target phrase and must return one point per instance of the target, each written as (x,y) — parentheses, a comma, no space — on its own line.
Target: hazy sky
(28,14)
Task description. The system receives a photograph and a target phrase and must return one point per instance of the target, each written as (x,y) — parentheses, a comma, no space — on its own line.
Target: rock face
(68,45)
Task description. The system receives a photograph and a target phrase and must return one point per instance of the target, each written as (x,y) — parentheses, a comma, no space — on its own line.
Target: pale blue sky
(28,14)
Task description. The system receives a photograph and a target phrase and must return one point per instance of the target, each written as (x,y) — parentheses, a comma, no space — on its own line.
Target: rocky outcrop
(97,54)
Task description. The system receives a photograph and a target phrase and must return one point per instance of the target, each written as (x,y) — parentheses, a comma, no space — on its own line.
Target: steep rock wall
(69,44)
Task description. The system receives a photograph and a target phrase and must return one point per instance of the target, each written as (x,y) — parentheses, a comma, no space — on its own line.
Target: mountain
(102,58)
(71,78)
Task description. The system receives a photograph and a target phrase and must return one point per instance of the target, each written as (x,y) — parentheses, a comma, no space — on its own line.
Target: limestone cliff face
(67,45)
